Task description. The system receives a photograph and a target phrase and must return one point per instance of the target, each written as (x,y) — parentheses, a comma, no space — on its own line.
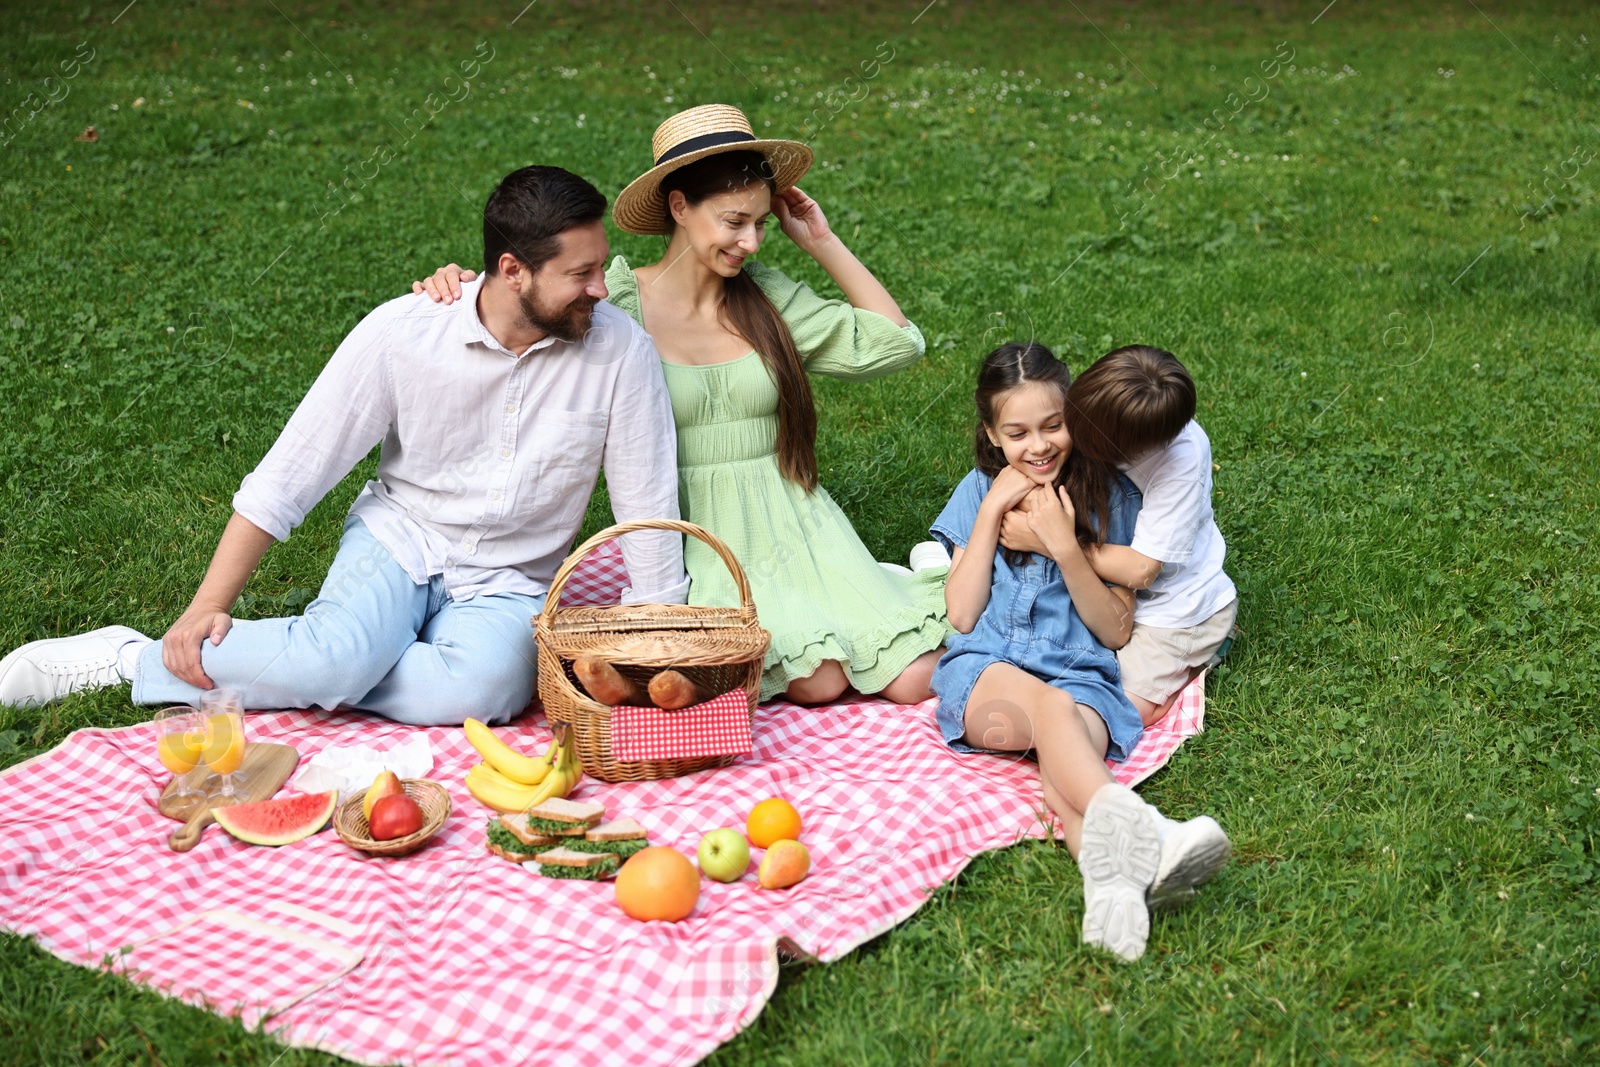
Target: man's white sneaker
(1118,857)
(42,671)
(1192,853)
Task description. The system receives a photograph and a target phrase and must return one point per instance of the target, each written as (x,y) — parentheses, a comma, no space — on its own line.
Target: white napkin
(351,768)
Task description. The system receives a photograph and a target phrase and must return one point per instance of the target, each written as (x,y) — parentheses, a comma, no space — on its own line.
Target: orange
(658,883)
(774,819)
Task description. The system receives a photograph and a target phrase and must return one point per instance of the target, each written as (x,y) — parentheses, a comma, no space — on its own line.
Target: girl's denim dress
(1030,622)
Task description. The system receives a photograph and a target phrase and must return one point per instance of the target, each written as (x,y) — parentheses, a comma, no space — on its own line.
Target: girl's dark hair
(530,209)
(1130,400)
(1088,480)
(747,311)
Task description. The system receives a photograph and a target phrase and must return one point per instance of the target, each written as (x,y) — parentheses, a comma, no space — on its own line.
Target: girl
(1031,665)
(737,340)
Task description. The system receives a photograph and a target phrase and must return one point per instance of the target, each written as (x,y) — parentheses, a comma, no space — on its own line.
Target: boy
(1135,407)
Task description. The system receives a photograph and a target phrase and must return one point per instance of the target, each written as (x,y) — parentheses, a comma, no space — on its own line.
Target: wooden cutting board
(265,769)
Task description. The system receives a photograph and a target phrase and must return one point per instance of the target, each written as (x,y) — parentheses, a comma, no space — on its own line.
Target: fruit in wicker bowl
(432,800)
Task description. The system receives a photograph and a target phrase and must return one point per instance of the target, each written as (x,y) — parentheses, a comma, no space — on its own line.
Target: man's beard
(569,323)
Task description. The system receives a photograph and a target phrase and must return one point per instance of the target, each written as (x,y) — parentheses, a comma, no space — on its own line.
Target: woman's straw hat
(695,134)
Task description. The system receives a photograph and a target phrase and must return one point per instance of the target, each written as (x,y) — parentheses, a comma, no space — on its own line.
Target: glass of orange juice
(180,737)
(222,713)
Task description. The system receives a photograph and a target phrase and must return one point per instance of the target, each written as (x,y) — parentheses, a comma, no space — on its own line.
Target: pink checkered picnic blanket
(181,962)
(467,960)
(599,579)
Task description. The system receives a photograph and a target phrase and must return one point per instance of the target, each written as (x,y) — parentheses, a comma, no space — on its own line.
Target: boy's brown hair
(1130,400)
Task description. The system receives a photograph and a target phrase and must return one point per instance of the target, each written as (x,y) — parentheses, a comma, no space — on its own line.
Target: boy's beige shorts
(1156,661)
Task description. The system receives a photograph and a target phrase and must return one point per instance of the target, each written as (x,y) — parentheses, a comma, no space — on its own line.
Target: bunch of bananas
(509,781)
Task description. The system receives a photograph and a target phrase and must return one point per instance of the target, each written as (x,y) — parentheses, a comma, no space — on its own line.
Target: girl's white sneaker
(42,671)
(1119,857)
(928,554)
(1192,853)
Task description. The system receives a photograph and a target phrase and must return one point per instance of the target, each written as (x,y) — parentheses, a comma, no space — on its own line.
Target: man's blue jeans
(373,639)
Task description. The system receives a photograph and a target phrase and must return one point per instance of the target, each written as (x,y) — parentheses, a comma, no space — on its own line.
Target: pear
(387,784)
(786,863)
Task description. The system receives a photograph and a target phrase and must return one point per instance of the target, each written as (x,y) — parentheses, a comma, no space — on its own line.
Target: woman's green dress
(817,589)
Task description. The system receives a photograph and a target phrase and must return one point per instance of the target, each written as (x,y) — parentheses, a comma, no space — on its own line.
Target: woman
(736,341)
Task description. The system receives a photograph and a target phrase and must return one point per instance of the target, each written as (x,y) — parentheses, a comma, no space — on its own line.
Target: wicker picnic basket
(721,649)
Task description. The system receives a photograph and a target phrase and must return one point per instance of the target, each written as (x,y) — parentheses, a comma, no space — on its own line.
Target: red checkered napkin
(718,727)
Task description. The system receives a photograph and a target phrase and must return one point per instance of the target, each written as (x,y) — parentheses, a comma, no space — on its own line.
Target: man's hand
(242,545)
(180,646)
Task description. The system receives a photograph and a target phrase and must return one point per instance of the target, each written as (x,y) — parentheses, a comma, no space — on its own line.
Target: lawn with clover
(1368,232)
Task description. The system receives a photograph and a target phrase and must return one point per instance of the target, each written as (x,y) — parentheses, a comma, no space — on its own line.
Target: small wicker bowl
(431,797)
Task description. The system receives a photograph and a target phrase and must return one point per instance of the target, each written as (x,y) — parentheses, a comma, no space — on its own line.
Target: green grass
(1393,332)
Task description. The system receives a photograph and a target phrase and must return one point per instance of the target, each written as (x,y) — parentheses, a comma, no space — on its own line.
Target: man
(495,415)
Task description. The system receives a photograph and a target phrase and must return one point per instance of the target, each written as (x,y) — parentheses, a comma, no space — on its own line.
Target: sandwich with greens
(567,863)
(509,837)
(559,817)
(622,837)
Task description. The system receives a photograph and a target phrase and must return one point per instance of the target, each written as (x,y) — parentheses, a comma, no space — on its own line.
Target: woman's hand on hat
(801,218)
(444,284)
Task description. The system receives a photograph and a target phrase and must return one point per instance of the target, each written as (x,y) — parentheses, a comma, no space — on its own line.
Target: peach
(785,864)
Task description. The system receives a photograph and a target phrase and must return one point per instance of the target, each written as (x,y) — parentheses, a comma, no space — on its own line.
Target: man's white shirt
(489,456)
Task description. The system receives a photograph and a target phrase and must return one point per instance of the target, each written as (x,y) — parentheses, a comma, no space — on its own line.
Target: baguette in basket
(668,689)
(673,690)
(605,683)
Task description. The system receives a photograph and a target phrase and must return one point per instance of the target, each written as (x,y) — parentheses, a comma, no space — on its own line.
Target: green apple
(724,855)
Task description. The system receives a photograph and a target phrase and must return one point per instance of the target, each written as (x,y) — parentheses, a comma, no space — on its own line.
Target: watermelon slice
(280,821)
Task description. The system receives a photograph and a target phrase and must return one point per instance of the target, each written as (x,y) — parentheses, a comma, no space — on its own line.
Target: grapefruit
(658,883)
(281,821)
(774,819)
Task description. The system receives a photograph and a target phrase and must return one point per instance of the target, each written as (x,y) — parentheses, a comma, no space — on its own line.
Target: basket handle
(558,583)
